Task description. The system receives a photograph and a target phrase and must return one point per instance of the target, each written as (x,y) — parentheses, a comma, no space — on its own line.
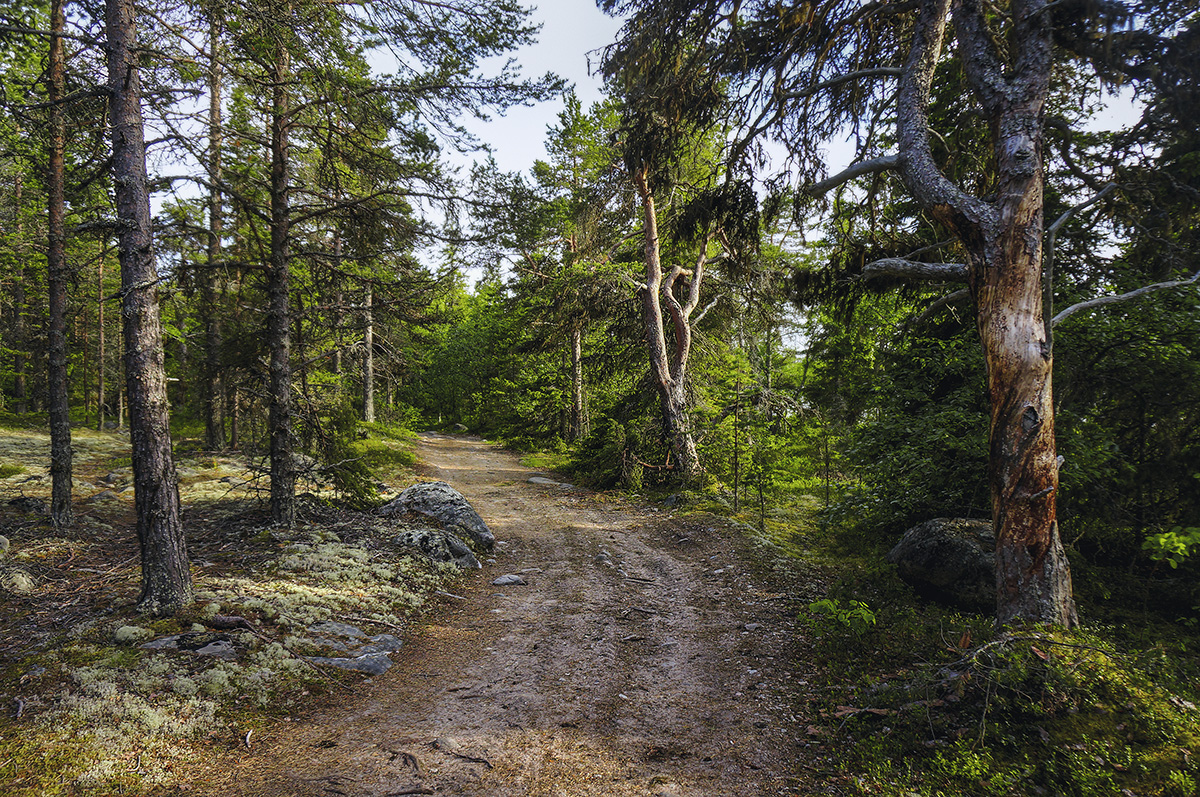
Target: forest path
(643,657)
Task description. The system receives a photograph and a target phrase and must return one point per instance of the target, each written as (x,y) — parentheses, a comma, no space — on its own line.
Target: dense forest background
(320,266)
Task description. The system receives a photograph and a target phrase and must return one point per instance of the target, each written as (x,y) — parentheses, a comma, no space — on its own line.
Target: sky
(571,29)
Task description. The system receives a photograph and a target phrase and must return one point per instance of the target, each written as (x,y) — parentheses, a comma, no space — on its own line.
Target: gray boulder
(440,546)
(442,503)
(950,560)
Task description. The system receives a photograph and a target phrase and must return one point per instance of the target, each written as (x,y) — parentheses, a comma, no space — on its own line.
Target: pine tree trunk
(60,417)
(214,422)
(575,428)
(235,417)
(166,577)
(279,416)
(101,353)
(20,317)
(369,356)
(1003,239)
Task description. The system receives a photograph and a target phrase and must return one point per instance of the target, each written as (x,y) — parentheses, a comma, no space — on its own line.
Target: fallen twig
(369,620)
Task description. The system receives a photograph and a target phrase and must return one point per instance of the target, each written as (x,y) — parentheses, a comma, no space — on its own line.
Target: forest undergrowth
(915,698)
(90,711)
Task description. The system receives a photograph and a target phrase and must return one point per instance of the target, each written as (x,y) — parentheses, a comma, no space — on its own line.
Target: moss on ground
(95,713)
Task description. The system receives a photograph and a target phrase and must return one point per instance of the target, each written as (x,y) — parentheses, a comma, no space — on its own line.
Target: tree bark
(166,577)
(56,255)
(101,353)
(20,313)
(369,356)
(1003,239)
(575,426)
(669,372)
(279,416)
(214,422)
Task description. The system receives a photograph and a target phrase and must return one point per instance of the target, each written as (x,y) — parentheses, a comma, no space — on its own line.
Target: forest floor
(649,652)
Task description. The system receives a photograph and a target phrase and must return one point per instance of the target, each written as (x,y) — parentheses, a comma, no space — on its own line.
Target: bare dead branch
(1100,301)
(875,165)
(960,295)
(808,91)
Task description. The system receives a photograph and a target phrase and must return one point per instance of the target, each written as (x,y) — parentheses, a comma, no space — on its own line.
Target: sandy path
(642,658)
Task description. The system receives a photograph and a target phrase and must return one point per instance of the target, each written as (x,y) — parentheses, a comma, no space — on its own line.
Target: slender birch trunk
(369,356)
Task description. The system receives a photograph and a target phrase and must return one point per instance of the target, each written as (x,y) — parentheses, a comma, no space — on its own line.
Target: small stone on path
(510,580)
(371,663)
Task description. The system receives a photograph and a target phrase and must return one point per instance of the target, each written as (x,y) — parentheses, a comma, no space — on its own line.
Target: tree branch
(912,269)
(980,61)
(1122,297)
(924,178)
(1048,257)
(808,91)
(880,164)
(960,295)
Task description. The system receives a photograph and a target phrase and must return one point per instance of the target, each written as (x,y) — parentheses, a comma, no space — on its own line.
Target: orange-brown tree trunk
(1003,239)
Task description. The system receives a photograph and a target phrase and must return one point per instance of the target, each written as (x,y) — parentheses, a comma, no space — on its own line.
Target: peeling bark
(669,371)
(1003,238)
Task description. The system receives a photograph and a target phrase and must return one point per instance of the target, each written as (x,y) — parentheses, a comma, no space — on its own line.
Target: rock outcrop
(440,502)
(440,546)
(950,560)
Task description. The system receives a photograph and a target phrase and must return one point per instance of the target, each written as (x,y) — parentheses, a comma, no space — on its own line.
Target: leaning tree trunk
(166,578)
(1003,239)
(56,255)
(279,416)
(669,371)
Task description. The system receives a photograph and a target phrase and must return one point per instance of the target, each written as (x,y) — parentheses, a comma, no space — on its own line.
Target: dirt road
(642,657)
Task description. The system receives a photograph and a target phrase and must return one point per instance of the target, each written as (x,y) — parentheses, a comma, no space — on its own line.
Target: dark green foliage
(1129,398)
(921,450)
